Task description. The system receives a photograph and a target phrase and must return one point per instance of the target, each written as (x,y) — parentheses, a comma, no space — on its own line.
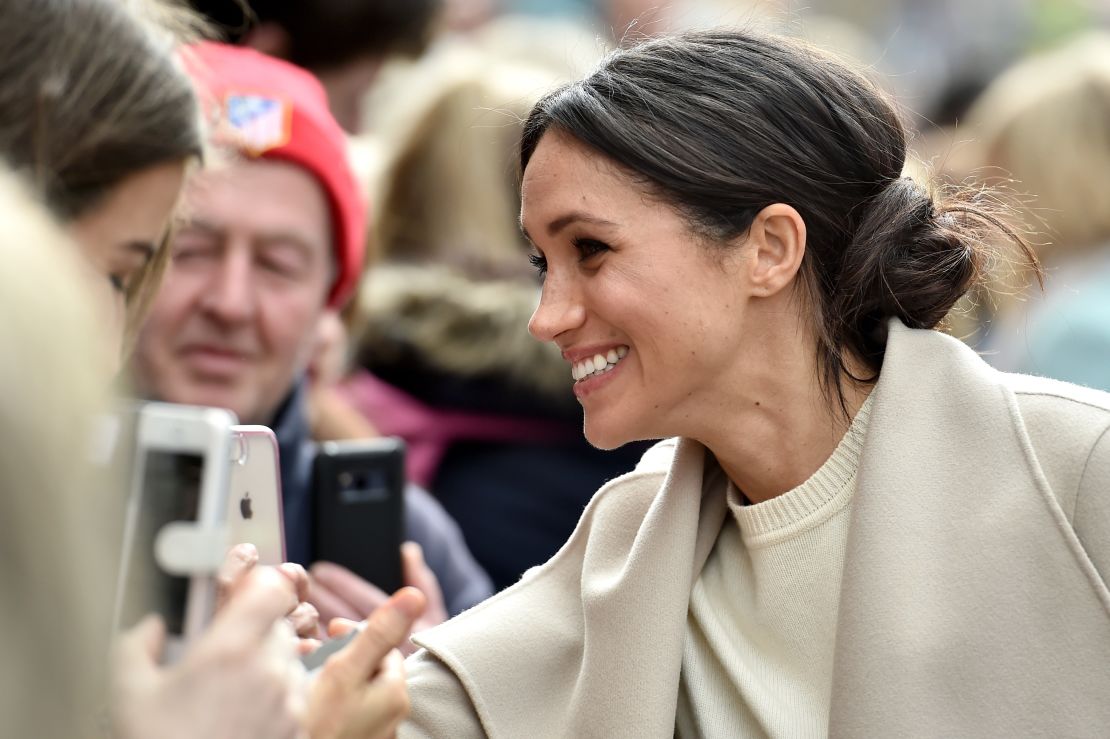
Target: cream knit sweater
(757,659)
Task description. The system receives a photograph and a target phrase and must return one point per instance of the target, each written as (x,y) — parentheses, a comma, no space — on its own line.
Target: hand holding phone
(338,593)
(234,681)
(360,690)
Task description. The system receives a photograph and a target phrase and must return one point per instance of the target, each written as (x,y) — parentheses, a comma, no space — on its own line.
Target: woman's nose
(561,309)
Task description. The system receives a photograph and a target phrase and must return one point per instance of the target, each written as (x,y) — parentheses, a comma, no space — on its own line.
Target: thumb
(388,626)
(138,651)
(419,575)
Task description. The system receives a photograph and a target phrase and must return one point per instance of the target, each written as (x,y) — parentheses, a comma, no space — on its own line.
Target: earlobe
(776,243)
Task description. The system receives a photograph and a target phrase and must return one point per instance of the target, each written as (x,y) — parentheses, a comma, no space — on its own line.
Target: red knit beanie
(275,110)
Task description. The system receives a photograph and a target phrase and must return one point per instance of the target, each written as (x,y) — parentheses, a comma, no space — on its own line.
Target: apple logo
(245,506)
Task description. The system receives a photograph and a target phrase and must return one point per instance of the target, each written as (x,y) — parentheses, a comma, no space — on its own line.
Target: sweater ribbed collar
(810,504)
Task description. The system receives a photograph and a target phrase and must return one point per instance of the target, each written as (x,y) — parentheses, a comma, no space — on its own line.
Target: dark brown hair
(324,34)
(92,92)
(721,124)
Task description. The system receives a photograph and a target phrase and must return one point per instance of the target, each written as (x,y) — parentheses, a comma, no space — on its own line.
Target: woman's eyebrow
(558,224)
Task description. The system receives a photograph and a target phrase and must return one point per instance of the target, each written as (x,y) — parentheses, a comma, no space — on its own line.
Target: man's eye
(192,248)
(186,253)
(539,262)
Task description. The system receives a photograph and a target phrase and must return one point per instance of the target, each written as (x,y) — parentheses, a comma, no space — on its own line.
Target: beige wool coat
(974,600)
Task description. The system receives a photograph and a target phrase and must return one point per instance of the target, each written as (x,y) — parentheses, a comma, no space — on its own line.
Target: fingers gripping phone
(254,505)
(173,535)
(359,500)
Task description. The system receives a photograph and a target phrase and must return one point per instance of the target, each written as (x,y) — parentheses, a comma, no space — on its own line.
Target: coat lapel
(967,606)
(590,644)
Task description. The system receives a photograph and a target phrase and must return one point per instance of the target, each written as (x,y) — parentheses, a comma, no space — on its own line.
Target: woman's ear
(776,243)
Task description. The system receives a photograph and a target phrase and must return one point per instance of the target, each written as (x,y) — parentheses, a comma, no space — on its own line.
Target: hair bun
(908,259)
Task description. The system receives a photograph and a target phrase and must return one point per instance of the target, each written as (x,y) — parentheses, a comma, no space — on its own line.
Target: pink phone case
(254,513)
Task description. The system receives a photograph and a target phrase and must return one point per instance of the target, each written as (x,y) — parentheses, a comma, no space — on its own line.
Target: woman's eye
(539,262)
(588,248)
(119,284)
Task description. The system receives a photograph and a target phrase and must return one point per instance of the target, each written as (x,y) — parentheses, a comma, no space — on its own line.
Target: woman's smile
(590,363)
(592,373)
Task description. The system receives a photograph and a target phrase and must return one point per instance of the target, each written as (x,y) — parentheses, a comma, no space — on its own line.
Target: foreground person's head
(271,239)
(57,559)
(97,112)
(716,208)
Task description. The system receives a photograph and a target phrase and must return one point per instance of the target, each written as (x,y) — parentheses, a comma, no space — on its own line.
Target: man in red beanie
(273,241)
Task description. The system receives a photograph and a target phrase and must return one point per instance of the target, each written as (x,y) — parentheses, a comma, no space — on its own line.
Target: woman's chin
(603,437)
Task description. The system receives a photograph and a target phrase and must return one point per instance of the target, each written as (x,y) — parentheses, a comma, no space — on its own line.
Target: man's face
(234,322)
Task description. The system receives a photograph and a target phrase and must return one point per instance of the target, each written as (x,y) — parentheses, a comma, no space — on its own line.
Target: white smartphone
(254,505)
(179,479)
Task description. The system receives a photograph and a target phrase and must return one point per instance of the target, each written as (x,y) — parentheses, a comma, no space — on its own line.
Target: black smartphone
(359,502)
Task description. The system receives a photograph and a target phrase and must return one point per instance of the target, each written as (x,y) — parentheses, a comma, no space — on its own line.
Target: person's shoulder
(492,649)
(1061,418)
(441,705)
(1050,395)
(1068,427)
(620,504)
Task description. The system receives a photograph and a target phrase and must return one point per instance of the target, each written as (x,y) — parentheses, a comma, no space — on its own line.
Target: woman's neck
(782,427)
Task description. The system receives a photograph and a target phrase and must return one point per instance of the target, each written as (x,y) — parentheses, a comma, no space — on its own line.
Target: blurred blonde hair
(447,190)
(55,584)
(1045,123)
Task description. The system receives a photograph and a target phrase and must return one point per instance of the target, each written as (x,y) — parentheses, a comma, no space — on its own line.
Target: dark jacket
(463,581)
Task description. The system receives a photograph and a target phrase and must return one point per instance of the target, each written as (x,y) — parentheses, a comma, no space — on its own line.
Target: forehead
(261,198)
(139,206)
(565,175)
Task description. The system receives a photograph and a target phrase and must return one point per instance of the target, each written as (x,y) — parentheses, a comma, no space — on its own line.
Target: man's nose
(230,297)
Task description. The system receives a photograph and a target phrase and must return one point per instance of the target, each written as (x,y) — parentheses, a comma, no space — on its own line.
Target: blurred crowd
(376,281)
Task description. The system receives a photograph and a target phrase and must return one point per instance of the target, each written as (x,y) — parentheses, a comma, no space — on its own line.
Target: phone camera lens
(240,451)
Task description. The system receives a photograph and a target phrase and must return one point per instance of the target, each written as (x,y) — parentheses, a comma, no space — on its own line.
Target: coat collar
(605,617)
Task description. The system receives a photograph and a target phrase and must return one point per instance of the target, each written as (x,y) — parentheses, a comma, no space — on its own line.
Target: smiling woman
(861,529)
(103,131)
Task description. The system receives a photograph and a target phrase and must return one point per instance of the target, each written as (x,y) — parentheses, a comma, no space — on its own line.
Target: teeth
(598,363)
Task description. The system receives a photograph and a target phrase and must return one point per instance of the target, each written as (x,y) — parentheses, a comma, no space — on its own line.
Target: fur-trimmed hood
(458,326)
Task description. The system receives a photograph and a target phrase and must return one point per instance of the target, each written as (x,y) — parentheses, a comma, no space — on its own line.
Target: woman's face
(122,234)
(628,280)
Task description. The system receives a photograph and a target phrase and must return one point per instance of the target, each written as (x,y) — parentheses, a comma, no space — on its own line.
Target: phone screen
(170,492)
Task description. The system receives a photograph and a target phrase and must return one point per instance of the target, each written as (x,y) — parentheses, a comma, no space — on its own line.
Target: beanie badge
(258,123)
